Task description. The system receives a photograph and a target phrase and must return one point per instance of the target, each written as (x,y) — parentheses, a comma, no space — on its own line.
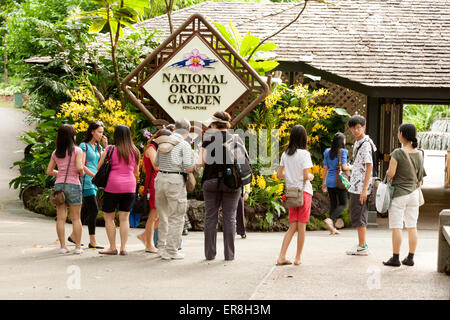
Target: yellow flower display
(280,189)
(261,182)
(315,169)
(274,176)
(84,108)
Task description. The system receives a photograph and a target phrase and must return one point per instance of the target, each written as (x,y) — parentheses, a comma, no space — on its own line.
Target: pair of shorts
(359,213)
(404,209)
(72,192)
(301,214)
(123,201)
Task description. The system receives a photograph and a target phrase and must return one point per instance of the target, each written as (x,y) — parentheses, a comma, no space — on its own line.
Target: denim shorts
(72,193)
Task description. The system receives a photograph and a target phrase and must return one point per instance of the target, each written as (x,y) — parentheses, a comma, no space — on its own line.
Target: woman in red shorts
(151,170)
(294,165)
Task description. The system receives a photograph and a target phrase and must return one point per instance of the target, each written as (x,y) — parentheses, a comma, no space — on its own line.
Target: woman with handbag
(151,170)
(335,160)
(67,191)
(92,150)
(294,169)
(120,186)
(406,172)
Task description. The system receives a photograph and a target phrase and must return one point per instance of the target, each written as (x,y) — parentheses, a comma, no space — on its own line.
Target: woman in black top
(215,192)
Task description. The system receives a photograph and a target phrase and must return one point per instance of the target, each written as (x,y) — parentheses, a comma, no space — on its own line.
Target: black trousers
(89,211)
(215,195)
(240,226)
(338,199)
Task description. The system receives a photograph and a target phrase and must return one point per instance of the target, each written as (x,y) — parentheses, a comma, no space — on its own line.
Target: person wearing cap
(174,158)
(215,192)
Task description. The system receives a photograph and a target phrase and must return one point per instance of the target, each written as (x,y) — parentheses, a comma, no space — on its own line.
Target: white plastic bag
(384,196)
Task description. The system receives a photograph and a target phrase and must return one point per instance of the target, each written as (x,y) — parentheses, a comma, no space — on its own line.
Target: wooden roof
(378,43)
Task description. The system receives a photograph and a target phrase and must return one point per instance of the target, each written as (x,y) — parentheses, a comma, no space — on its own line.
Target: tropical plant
(261,59)
(114,14)
(422,116)
(266,192)
(84,108)
(287,106)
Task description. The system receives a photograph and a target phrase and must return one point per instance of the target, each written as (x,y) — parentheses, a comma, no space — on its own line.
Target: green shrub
(315,224)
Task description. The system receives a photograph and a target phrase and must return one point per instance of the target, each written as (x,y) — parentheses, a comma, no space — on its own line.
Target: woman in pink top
(120,190)
(65,151)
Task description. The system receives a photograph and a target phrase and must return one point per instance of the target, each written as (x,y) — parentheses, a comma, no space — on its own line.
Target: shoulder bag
(101,177)
(58,197)
(413,171)
(342,176)
(294,196)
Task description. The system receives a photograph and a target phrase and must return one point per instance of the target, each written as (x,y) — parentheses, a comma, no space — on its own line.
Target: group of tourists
(169,160)
(406,172)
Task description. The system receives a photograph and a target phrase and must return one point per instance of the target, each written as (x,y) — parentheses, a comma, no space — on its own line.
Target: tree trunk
(6,67)
(6,57)
(113,57)
(277,32)
(169,8)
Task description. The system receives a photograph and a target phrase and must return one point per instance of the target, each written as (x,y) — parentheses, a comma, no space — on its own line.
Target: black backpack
(236,170)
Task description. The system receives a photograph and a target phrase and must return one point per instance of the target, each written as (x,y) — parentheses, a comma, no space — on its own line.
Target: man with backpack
(360,182)
(226,170)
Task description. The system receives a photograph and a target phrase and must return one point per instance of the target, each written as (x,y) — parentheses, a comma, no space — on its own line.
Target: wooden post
(443,244)
(447,170)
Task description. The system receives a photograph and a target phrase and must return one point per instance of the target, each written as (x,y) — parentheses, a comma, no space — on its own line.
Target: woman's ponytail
(409,132)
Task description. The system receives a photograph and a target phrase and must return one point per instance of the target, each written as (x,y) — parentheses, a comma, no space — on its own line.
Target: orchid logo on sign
(194,61)
(194,83)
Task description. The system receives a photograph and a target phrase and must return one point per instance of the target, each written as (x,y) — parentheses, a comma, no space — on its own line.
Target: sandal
(284,263)
(112,253)
(123,253)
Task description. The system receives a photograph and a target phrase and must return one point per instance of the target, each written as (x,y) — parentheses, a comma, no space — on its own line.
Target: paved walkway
(30,267)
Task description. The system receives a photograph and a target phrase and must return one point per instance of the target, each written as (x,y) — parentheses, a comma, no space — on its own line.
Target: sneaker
(165,256)
(63,251)
(392,262)
(78,251)
(408,262)
(176,256)
(161,252)
(359,251)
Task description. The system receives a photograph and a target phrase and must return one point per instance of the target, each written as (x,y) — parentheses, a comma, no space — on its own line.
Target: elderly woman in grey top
(406,172)
(174,159)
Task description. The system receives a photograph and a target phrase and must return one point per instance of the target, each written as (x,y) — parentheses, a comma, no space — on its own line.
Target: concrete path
(31,268)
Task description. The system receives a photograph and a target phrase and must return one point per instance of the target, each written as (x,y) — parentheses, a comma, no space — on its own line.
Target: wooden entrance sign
(192,74)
